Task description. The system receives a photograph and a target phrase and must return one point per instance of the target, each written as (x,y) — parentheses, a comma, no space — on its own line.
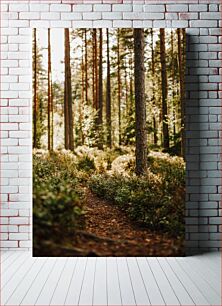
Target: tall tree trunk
(126,84)
(49,90)
(35,108)
(155,137)
(141,133)
(166,143)
(68,93)
(95,68)
(100,115)
(66,112)
(182,93)
(86,68)
(93,71)
(173,86)
(81,104)
(108,97)
(119,85)
(52,120)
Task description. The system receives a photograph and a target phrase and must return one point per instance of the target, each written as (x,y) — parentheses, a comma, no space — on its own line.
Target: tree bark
(141,133)
(100,114)
(68,94)
(155,137)
(86,68)
(119,85)
(35,108)
(95,68)
(108,97)
(166,143)
(173,86)
(52,120)
(49,90)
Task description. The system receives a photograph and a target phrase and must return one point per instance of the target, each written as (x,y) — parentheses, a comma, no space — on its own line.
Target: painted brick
(177,8)
(122,7)
(199,8)
(71,16)
(50,16)
(92,16)
(203,23)
(18,236)
(60,8)
(18,7)
(83,8)
(29,15)
(36,7)
(102,8)
(154,8)
(112,15)
(138,16)
(213,16)
(123,23)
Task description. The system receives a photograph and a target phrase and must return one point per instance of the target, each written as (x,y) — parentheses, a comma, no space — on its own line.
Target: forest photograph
(108,137)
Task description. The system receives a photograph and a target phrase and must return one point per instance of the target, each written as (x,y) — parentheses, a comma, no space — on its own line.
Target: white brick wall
(202,19)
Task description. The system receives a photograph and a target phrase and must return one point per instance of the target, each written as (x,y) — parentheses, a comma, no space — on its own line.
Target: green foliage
(57,198)
(155,200)
(86,163)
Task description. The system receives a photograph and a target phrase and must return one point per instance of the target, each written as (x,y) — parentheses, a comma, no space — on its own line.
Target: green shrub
(57,198)
(144,199)
(85,163)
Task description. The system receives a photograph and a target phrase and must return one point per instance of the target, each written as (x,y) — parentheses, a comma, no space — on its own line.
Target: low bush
(148,199)
(57,197)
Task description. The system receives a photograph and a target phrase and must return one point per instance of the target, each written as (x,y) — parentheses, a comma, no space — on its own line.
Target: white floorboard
(194,280)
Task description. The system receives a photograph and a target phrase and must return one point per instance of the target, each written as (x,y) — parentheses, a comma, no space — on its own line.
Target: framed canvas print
(108,142)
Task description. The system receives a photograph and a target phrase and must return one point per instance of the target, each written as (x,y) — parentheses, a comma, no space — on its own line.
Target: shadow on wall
(192,134)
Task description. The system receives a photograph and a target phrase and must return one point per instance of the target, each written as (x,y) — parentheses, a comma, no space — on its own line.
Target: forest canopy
(84,88)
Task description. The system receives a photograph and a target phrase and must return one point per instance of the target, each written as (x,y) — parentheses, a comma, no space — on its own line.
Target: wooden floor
(110,281)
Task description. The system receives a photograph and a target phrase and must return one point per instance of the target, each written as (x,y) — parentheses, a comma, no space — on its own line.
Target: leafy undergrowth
(156,200)
(61,207)
(57,199)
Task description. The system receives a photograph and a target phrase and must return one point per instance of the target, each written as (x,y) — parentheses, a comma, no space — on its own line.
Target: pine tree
(108,96)
(69,138)
(166,143)
(140,105)
(100,114)
(49,90)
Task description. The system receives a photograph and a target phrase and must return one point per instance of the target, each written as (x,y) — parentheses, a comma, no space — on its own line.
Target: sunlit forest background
(108,142)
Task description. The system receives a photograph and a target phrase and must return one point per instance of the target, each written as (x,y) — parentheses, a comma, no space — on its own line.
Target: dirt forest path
(109,232)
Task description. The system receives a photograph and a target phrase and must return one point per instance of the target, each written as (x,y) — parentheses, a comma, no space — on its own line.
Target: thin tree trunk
(126,84)
(119,85)
(52,120)
(100,115)
(35,108)
(108,97)
(66,113)
(49,90)
(141,133)
(93,71)
(155,137)
(86,68)
(68,91)
(166,143)
(95,68)
(182,93)
(81,104)
(173,88)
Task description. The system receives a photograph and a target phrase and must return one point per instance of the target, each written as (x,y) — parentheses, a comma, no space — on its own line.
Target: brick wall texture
(203,105)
